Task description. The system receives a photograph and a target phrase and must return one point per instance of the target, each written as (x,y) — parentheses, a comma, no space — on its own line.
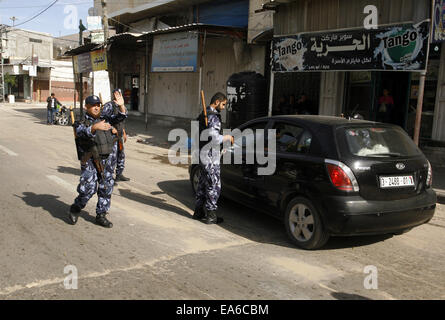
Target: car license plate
(396,182)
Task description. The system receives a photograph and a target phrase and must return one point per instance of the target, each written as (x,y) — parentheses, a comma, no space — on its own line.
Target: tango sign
(397,47)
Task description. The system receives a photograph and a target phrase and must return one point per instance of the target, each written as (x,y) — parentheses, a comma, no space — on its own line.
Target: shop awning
(85,48)
(263,37)
(133,37)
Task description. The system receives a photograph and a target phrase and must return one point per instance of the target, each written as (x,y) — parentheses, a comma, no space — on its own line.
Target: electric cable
(38,14)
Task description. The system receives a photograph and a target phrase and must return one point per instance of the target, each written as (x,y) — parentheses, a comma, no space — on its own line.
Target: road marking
(139,266)
(11,153)
(62,183)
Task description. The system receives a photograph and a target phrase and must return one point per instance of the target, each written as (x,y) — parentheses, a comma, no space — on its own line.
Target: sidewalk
(154,134)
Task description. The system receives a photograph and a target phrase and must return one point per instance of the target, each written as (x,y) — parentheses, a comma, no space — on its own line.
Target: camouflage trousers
(209,186)
(120,158)
(89,183)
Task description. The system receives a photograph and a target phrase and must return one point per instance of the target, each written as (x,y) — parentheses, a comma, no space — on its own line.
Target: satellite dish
(93,11)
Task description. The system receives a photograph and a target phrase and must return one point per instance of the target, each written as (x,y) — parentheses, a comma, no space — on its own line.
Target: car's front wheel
(304,225)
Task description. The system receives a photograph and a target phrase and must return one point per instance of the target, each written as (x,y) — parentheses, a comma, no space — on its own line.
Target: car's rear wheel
(304,225)
(194,178)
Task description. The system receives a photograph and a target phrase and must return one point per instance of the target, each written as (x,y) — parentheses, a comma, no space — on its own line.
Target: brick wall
(63,90)
(40,90)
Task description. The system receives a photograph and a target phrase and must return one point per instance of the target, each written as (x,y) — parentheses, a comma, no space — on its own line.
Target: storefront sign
(175,52)
(99,60)
(90,61)
(97,37)
(32,71)
(94,23)
(16,69)
(398,47)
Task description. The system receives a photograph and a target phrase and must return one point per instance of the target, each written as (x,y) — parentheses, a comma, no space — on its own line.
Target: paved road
(156,251)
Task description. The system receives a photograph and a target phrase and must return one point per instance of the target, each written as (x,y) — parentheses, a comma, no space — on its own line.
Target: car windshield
(380,142)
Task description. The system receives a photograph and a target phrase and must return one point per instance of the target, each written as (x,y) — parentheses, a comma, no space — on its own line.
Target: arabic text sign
(84,63)
(97,37)
(99,60)
(401,47)
(175,52)
(90,61)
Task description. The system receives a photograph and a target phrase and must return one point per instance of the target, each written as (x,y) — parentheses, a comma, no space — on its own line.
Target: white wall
(19,46)
(62,71)
(101,85)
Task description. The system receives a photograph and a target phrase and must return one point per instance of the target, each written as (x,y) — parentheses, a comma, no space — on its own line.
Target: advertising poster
(396,48)
(99,60)
(176,52)
(90,61)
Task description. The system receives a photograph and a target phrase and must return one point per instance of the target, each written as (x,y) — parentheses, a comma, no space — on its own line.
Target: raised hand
(118,98)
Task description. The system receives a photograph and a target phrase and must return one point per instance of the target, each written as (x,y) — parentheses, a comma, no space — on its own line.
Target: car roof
(319,120)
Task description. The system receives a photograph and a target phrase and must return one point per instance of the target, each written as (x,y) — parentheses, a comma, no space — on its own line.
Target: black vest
(103,142)
(202,125)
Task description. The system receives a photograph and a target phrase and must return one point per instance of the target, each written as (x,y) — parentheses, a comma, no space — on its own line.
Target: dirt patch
(305,270)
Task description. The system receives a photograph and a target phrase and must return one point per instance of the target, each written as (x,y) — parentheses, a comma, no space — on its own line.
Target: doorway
(396,85)
(129,83)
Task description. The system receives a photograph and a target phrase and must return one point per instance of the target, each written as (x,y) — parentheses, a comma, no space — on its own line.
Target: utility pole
(2,78)
(81,30)
(418,122)
(106,35)
(105,19)
(13,20)
(32,78)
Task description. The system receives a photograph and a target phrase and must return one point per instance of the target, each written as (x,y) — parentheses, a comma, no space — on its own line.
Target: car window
(305,142)
(289,138)
(249,138)
(379,142)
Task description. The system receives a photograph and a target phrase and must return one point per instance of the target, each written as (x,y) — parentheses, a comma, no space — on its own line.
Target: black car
(333,176)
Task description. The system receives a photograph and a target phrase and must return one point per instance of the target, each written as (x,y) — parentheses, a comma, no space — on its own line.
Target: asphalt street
(156,251)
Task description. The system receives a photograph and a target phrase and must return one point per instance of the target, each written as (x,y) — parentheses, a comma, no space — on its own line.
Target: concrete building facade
(339,93)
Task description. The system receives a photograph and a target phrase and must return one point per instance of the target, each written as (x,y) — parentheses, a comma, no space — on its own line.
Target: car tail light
(429,178)
(341,176)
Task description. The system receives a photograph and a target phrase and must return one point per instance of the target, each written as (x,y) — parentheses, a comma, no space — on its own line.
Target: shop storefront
(21,91)
(364,91)
(380,70)
(129,83)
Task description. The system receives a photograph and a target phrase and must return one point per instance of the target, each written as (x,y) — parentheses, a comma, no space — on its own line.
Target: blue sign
(175,52)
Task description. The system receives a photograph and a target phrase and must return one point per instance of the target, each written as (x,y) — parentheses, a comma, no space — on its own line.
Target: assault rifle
(84,155)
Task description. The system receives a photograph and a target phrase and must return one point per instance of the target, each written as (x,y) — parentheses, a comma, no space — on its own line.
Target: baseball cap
(117,90)
(92,100)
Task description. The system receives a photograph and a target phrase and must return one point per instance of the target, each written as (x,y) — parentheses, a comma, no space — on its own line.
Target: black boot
(121,177)
(199,213)
(74,213)
(212,218)
(103,221)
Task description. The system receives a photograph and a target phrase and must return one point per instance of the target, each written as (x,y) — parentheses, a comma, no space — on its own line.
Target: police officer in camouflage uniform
(96,142)
(209,187)
(122,135)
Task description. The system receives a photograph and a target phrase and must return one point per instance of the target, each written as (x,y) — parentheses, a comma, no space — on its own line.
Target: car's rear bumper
(356,216)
